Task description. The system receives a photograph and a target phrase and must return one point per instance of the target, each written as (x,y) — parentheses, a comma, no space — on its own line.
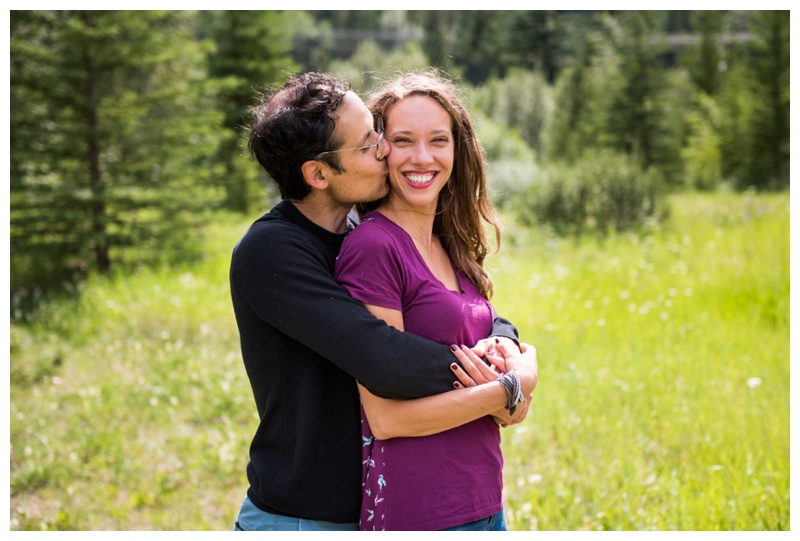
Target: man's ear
(314,174)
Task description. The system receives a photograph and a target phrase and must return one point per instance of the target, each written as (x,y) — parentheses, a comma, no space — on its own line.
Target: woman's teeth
(420,179)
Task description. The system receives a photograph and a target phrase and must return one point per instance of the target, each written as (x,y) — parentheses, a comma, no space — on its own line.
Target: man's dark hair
(293,125)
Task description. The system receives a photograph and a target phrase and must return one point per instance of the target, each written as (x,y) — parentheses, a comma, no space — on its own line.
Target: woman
(416,262)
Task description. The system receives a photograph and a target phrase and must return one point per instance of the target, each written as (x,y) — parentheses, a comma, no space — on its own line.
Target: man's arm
(503,327)
(283,279)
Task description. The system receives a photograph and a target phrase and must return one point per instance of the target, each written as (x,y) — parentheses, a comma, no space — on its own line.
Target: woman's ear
(314,174)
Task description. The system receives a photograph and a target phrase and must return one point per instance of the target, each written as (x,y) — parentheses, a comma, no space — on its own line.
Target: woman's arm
(389,418)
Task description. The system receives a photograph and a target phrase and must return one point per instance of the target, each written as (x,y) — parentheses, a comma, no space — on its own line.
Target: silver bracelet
(513,387)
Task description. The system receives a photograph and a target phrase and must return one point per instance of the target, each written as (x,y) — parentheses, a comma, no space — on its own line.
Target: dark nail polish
(453,348)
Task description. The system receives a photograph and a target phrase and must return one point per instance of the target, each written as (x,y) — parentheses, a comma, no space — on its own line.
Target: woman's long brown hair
(463,201)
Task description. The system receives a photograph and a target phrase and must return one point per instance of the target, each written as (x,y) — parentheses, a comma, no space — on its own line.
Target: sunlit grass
(130,408)
(663,399)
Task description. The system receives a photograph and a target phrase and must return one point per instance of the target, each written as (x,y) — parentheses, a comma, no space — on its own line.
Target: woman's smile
(420,180)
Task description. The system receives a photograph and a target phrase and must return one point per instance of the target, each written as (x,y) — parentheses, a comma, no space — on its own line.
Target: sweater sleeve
(285,281)
(503,327)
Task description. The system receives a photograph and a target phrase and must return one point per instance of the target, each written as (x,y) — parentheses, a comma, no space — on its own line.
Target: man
(303,338)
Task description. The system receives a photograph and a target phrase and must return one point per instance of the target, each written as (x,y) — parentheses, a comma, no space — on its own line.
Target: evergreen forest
(127,128)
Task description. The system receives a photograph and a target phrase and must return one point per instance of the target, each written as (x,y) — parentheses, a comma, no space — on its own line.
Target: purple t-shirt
(431,482)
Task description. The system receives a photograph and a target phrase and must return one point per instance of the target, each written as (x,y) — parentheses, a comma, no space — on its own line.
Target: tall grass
(663,399)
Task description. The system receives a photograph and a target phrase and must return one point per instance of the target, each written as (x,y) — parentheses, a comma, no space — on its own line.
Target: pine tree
(252,51)
(703,61)
(635,116)
(111,133)
(769,163)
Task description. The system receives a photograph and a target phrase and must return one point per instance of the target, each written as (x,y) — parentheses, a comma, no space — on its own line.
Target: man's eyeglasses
(377,144)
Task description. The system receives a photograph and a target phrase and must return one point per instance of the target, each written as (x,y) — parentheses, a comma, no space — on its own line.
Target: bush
(603,191)
(501,142)
(509,178)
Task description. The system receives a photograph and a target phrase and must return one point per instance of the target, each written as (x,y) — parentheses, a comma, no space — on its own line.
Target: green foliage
(737,106)
(370,65)
(604,191)
(663,400)
(702,155)
(635,91)
(123,123)
(251,53)
(570,132)
(509,179)
(751,89)
(703,61)
(769,162)
(112,128)
(615,95)
(521,101)
(500,141)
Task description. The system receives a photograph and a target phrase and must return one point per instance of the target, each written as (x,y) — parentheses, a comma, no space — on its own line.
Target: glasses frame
(377,144)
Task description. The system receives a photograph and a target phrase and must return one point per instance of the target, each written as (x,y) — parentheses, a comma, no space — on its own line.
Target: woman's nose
(422,154)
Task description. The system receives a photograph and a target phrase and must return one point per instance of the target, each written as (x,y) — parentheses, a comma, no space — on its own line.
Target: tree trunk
(96,183)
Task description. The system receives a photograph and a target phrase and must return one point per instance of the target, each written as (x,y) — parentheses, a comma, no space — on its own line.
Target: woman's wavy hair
(463,201)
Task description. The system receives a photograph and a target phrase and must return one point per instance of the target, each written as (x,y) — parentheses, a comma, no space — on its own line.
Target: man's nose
(386,149)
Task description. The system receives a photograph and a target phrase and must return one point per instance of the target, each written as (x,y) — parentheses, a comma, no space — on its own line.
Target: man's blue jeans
(253,518)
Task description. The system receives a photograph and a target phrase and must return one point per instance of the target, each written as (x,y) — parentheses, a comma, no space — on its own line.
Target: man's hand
(525,363)
(505,420)
(489,346)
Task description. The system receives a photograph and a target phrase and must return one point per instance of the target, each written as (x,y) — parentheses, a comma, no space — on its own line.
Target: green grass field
(663,397)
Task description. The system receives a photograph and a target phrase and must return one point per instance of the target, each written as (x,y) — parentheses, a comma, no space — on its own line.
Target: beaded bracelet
(513,388)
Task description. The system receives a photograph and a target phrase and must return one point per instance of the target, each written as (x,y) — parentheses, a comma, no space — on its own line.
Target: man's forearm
(300,297)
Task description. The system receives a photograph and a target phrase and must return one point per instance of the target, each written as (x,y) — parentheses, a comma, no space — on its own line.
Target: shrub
(603,191)
(509,178)
(501,142)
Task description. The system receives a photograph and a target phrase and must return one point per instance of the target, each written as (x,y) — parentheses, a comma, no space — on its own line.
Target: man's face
(364,177)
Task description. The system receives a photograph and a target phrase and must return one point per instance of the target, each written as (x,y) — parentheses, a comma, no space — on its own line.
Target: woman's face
(421,135)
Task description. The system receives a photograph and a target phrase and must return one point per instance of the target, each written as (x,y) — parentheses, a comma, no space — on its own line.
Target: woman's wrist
(512,385)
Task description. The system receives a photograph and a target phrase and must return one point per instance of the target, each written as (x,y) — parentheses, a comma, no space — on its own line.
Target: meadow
(663,399)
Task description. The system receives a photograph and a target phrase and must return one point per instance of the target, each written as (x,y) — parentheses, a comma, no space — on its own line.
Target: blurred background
(640,162)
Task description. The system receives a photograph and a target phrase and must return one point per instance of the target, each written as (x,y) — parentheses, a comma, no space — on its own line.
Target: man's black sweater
(304,342)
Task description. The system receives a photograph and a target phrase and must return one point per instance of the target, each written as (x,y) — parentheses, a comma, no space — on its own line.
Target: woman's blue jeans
(494,523)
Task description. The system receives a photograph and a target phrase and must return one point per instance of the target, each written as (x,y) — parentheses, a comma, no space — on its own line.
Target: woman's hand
(474,372)
(503,356)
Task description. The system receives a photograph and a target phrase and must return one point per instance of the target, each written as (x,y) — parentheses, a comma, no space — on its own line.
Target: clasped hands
(503,355)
